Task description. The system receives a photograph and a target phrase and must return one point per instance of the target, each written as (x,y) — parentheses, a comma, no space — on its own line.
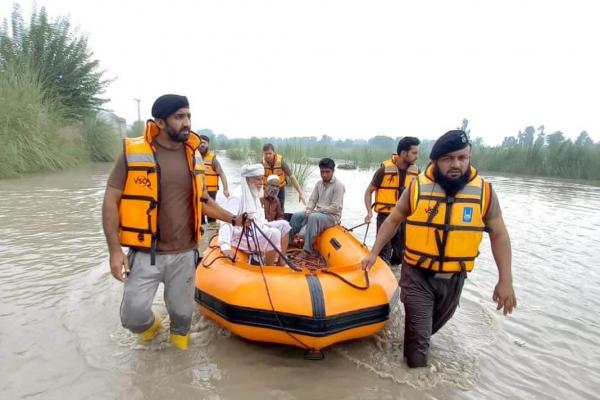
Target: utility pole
(138,104)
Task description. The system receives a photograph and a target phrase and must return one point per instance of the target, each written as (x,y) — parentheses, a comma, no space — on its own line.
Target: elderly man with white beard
(248,201)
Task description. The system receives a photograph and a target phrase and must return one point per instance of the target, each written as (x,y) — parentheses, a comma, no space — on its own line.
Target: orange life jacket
(211,178)
(392,185)
(275,169)
(444,233)
(140,201)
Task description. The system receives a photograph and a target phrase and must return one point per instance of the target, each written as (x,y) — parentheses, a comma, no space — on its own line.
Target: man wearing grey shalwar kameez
(324,208)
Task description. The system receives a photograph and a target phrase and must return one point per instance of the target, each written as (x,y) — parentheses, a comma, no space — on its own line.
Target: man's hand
(301,198)
(244,220)
(119,265)
(368,217)
(504,296)
(368,261)
(226,193)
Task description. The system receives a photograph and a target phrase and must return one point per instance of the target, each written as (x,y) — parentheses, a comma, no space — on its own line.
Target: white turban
(250,203)
(252,170)
(273,178)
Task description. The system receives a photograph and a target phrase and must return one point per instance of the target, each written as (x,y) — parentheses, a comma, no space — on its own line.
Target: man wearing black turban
(446,210)
(153,204)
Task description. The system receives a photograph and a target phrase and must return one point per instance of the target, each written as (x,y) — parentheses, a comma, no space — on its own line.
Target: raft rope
(347,282)
(213,248)
(368,224)
(286,259)
(354,227)
(309,351)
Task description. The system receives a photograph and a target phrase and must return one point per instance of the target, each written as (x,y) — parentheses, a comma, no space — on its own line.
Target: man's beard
(180,137)
(271,192)
(451,185)
(203,150)
(256,192)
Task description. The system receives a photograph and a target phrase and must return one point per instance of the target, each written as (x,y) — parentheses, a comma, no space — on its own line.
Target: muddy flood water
(61,338)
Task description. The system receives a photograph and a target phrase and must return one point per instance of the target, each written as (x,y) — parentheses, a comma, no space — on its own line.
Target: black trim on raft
(316,296)
(309,326)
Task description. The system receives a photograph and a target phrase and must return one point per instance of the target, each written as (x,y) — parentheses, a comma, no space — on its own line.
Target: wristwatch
(233,220)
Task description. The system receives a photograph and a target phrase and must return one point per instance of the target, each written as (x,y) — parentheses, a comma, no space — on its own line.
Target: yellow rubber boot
(180,341)
(151,332)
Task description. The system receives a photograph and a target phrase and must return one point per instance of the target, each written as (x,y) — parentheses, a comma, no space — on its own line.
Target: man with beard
(324,208)
(212,172)
(153,204)
(269,234)
(446,209)
(388,183)
(270,202)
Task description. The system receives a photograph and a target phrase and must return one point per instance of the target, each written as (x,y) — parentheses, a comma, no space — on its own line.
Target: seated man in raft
(324,207)
(270,202)
(249,202)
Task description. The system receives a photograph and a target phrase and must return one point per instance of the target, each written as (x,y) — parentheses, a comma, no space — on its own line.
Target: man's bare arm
(504,294)
(296,185)
(119,267)
(368,197)
(212,209)
(223,177)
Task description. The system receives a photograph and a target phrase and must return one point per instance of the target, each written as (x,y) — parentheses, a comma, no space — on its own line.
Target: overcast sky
(351,69)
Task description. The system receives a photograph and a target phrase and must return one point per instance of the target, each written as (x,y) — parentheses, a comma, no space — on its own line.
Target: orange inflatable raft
(309,308)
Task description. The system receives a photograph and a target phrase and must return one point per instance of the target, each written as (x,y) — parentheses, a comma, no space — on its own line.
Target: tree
(137,128)
(509,141)
(555,139)
(382,142)
(326,140)
(525,139)
(584,140)
(59,55)
(465,127)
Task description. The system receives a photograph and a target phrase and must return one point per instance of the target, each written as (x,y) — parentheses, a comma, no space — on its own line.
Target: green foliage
(33,136)
(49,89)
(544,155)
(301,169)
(137,128)
(59,55)
(100,141)
(530,152)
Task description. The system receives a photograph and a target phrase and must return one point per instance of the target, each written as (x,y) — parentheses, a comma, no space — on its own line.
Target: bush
(101,142)
(32,133)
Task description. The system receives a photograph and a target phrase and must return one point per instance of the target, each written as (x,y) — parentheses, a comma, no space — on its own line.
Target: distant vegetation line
(530,152)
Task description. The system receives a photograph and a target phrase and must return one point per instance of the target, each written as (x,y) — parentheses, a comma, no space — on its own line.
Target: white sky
(351,69)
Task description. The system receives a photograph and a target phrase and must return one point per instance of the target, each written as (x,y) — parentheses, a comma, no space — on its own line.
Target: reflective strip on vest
(434,188)
(142,157)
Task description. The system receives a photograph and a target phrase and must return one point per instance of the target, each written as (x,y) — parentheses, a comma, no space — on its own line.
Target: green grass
(301,169)
(34,135)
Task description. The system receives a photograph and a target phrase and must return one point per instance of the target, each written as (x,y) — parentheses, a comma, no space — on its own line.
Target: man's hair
(268,146)
(204,137)
(327,163)
(406,143)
